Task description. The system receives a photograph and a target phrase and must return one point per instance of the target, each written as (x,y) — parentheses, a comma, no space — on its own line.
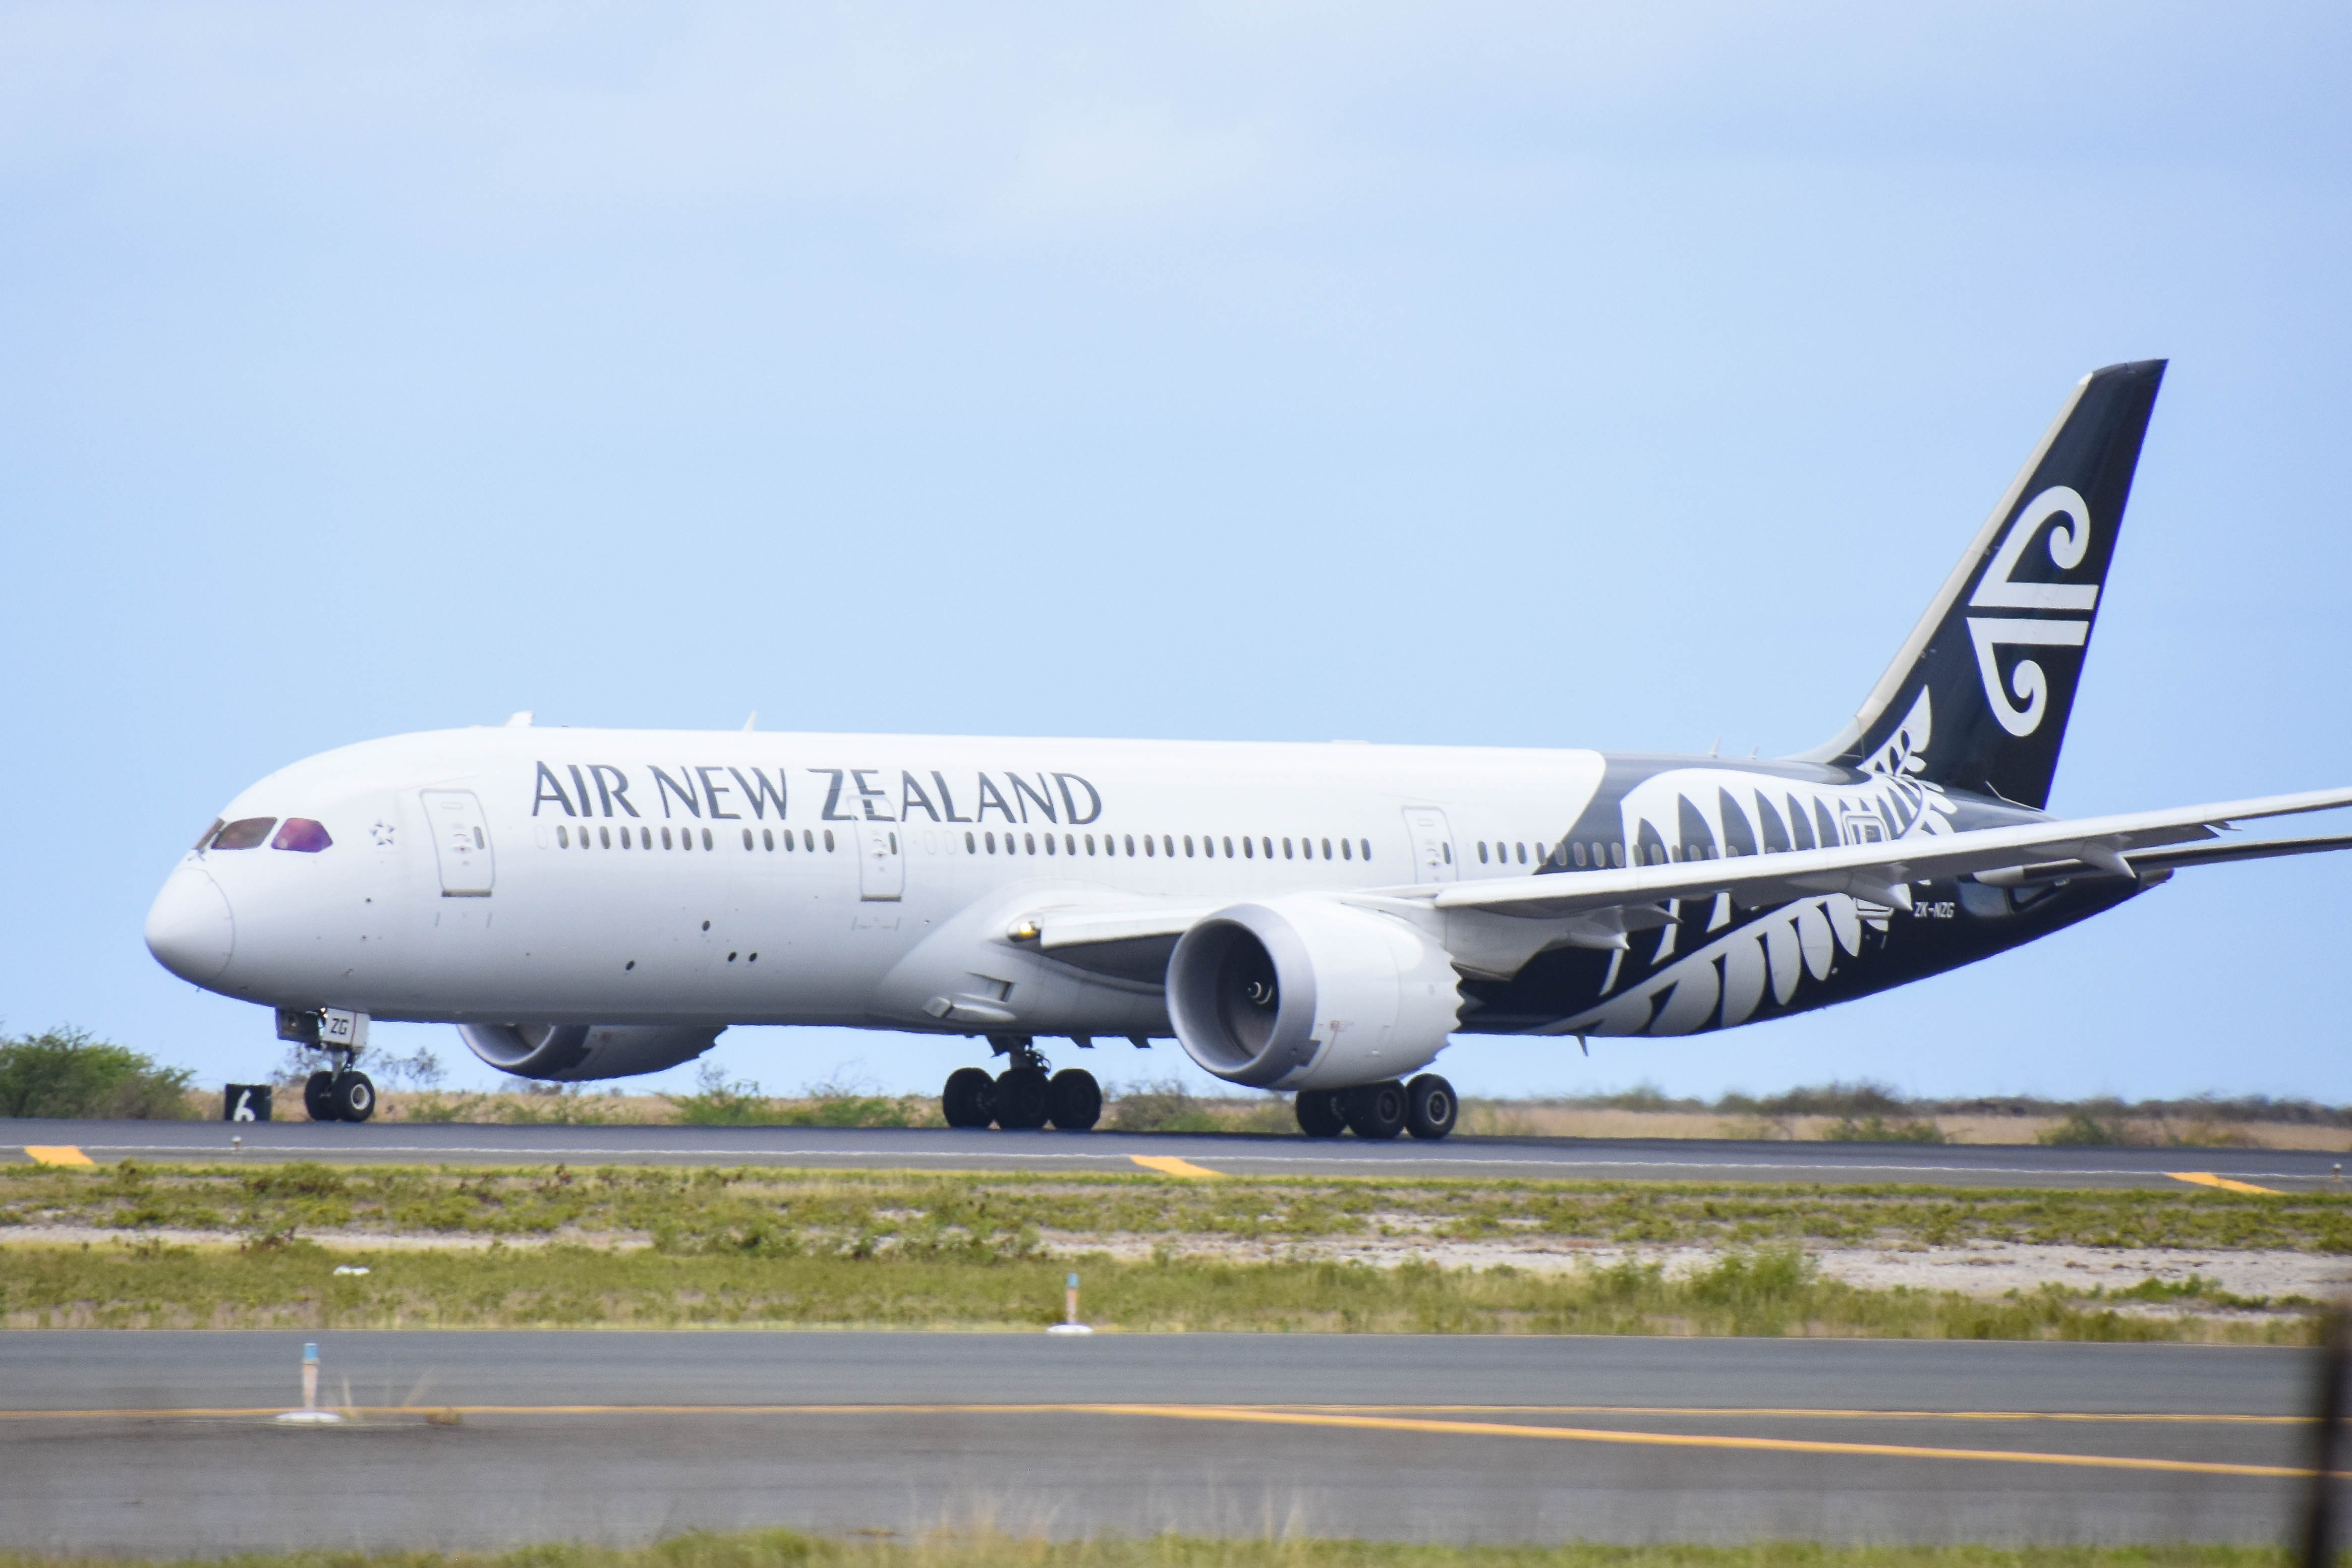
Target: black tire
(355,1095)
(969,1098)
(1318,1113)
(1021,1098)
(1374,1111)
(1074,1099)
(1431,1107)
(319,1097)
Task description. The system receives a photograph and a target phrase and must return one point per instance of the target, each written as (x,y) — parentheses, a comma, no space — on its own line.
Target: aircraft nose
(190,930)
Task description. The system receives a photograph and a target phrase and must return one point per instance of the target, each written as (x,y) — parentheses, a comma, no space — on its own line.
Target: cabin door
(1432,844)
(882,861)
(461,841)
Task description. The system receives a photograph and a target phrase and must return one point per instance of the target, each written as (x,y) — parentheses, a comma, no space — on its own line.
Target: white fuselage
(480,876)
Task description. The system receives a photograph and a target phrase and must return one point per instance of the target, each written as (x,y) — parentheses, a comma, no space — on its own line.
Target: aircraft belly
(1789,958)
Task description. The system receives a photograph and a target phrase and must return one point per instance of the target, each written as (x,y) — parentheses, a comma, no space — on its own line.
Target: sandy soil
(1989,1269)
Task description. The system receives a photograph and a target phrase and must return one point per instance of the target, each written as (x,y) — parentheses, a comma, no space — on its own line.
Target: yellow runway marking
(2207,1178)
(1332,1418)
(1169,1164)
(1680,1440)
(1788,1412)
(56,1155)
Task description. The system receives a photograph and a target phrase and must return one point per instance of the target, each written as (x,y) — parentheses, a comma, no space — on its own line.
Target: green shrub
(1160,1108)
(64,1072)
(1876,1129)
(2083,1127)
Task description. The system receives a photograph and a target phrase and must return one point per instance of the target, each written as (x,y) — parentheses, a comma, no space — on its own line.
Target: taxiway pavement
(1571,1159)
(163,1442)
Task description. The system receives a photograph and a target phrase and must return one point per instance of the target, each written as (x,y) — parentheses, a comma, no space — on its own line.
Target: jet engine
(571,1052)
(1308,993)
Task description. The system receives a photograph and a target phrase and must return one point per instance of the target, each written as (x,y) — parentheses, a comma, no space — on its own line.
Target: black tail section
(1978,700)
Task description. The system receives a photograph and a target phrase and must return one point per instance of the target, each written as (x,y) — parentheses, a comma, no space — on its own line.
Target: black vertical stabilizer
(1979,698)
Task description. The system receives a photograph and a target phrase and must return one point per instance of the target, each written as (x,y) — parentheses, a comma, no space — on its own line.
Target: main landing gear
(1024,1096)
(1427,1108)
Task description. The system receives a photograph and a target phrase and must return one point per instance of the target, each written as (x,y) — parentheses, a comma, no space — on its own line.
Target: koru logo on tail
(2069,517)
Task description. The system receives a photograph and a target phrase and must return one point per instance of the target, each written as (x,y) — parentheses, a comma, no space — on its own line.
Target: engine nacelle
(571,1052)
(1308,993)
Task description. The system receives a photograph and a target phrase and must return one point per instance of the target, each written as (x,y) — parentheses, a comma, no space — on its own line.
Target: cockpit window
(301,833)
(206,836)
(244,833)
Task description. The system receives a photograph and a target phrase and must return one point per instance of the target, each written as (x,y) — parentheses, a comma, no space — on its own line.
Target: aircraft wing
(1882,873)
(2131,844)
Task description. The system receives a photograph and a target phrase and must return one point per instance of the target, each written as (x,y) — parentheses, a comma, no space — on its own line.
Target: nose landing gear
(344,1094)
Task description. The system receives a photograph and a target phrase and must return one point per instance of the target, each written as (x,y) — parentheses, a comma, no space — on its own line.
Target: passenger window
(247,832)
(1049,843)
(1285,852)
(1246,848)
(768,839)
(1130,845)
(1188,846)
(1229,848)
(1327,849)
(746,838)
(1030,840)
(894,843)
(828,841)
(1482,851)
(304,835)
(666,838)
(605,834)
(1070,843)
(1344,847)
(1577,848)
(1523,853)
(1147,844)
(1449,853)
(562,838)
(808,841)
(969,847)
(1365,846)
(1616,852)
(1168,845)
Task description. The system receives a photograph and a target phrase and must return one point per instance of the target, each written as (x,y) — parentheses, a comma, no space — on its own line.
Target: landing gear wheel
(354,1097)
(1374,1110)
(1021,1098)
(319,1097)
(1431,1107)
(969,1098)
(1318,1113)
(1074,1099)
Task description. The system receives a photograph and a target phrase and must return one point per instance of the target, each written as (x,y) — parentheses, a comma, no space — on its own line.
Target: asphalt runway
(164,1442)
(1570,1159)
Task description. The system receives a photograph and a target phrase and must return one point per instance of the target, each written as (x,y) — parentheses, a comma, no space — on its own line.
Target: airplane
(1313,918)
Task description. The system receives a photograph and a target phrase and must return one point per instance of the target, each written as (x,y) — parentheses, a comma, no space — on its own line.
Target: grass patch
(786,1549)
(683,1208)
(761,1281)
(238,1246)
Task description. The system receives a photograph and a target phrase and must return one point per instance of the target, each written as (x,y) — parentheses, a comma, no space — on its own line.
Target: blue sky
(1525,375)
